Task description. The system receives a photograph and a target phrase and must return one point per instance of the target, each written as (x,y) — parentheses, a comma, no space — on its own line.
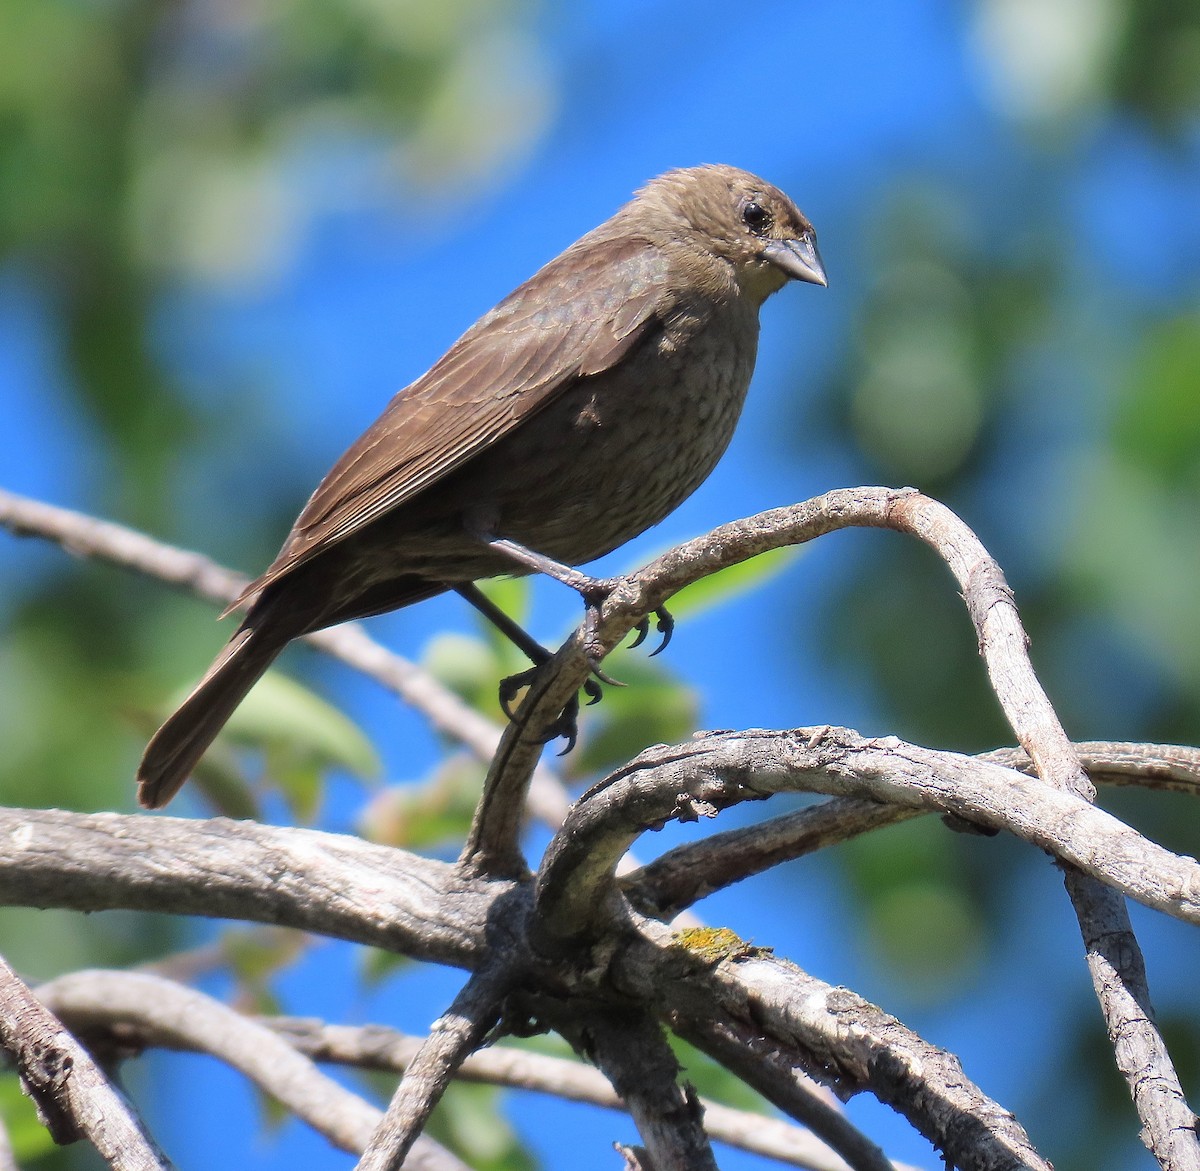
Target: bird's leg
(593,590)
(567,724)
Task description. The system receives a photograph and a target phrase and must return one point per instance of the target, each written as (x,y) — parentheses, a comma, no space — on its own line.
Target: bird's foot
(566,723)
(595,593)
(664,624)
(593,590)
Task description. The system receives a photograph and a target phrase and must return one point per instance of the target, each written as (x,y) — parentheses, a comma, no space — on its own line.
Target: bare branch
(377,1047)
(1171,767)
(631,1050)
(121,1003)
(327,883)
(492,846)
(845,1042)
(180,1017)
(688,873)
(460,1031)
(777,1075)
(722,769)
(87,536)
(1113,954)
(74,1099)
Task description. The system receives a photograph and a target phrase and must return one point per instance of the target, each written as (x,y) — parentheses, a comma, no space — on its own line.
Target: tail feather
(176,747)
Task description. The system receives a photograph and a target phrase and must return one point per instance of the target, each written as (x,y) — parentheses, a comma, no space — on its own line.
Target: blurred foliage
(29,1138)
(149,150)
(981,311)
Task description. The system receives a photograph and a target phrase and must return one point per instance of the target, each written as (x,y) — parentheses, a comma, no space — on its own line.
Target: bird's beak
(798,258)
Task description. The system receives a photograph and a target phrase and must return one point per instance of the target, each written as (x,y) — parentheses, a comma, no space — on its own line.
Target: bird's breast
(616,452)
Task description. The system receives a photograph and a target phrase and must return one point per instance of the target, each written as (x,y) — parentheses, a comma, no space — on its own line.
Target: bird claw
(510,687)
(603,676)
(665,625)
(566,724)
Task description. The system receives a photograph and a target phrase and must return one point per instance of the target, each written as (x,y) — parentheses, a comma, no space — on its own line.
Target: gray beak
(798,258)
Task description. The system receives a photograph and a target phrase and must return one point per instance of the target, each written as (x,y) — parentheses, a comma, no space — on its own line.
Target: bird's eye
(756,217)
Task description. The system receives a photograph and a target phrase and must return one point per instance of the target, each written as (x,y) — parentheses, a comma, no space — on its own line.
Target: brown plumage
(579,412)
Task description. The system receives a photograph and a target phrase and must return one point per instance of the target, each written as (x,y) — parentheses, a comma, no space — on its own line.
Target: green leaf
(511,594)
(429,814)
(730,583)
(30,1139)
(281,713)
(469,666)
(376,965)
(301,735)
(254,956)
(1160,423)
(470,1122)
(654,708)
(715,1081)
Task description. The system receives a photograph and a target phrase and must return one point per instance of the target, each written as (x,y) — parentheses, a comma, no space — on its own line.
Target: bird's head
(742,220)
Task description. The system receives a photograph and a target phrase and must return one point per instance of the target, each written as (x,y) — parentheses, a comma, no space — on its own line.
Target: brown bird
(579,412)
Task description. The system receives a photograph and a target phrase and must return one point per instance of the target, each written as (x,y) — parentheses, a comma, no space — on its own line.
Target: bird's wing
(579,315)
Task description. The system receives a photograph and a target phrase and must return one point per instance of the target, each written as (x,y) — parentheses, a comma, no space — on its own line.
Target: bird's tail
(176,747)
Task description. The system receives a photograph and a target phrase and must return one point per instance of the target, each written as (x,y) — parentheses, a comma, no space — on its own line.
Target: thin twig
(458,1032)
(74,1099)
(184,1018)
(379,1048)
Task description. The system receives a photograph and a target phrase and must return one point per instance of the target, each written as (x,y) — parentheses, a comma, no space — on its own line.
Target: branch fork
(585,944)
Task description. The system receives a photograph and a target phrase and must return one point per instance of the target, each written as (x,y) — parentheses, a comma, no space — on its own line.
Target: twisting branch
(492,846)
(842,1040)
(88,536)
(73,1098)
(371,894)
(1173,767)
(722,769)
(1113,954)
(691,871)
(776,1074)
(125,1010)
(460,1031)
(1114,958)
(447,916)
